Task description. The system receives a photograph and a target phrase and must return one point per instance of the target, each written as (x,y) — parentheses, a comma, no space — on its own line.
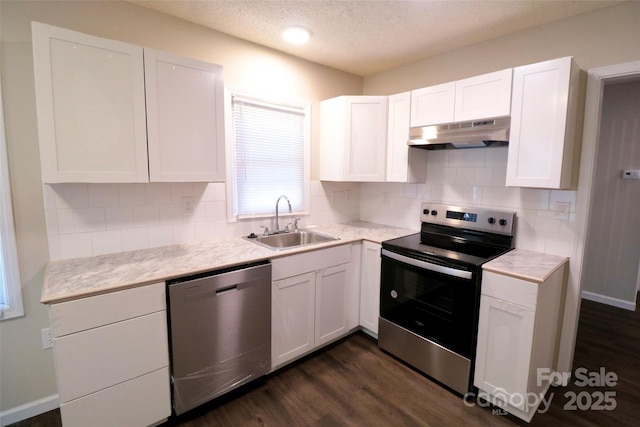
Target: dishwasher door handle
(226,290)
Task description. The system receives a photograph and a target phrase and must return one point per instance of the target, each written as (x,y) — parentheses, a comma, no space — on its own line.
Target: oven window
(434,305)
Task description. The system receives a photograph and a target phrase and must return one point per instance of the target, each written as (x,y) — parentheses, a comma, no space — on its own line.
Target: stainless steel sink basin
(293,239)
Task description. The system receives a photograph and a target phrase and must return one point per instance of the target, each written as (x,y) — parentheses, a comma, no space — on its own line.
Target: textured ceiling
(365,37)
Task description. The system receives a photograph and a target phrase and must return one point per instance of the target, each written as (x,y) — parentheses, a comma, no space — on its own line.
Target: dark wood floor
(353,383)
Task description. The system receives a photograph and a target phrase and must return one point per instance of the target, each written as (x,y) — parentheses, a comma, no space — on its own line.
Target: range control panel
(475,218)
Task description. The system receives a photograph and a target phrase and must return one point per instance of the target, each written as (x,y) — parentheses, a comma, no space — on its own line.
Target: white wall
(604,37)
(475,177)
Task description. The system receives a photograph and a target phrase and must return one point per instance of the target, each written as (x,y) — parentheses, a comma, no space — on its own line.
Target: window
(269,156)
(10,290)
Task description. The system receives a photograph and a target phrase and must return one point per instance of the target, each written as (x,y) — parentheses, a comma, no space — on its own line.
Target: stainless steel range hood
(477,133)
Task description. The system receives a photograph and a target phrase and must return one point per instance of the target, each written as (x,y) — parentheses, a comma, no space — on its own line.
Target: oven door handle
(427,265)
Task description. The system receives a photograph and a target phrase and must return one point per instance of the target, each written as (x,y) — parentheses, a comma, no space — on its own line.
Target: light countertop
(81,277)
(525,265)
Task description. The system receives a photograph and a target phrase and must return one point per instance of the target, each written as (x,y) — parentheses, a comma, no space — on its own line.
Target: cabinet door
(185,119)
(353,138)
(542,125)
(91,107)
(366,137)
(370,287)
(292,318)
(404,164)
(505,338)
(433,105)
(485,96)
(331,286)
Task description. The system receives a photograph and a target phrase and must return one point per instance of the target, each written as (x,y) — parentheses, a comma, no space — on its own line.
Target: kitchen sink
(278,242)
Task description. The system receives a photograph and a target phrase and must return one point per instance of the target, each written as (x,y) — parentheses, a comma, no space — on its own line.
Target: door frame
(596,80)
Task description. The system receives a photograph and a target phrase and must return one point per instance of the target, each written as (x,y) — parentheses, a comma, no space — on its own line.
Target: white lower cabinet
(332,286)
(138,402)
(292,317)
(370,287)
(517,336)
(112,358)
(314,300)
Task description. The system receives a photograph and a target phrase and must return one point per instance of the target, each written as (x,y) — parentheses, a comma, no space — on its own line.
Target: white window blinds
(269,156)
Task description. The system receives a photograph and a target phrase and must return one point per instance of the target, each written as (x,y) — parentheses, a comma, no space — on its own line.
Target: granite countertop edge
(76,278)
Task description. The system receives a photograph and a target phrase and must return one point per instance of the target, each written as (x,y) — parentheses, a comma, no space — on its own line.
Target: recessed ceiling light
(296,35)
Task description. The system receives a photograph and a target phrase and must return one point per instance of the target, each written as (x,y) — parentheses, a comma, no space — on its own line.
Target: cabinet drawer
(91,312)
(142,401)
(102,357)
(510,289)
(295,265)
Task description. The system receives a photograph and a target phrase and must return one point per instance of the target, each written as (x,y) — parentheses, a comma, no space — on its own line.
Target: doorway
(612,247)
(597,78)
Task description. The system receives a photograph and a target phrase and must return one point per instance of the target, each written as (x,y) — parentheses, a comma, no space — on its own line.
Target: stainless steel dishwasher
(220,332)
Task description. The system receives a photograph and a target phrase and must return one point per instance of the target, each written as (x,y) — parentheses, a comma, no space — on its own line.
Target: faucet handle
(286,228)
(295,223)
(266,230)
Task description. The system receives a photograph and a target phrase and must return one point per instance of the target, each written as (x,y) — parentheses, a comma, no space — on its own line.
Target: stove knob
(492,220)
(502,222)
(425,211)
(434,212)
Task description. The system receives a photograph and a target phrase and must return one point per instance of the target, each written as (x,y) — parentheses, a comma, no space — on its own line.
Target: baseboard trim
(28,410)
(615,302)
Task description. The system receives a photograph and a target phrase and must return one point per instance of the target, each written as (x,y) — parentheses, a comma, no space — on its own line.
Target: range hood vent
(472,134)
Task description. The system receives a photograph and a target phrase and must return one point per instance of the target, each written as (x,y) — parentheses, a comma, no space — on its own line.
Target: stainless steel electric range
(430,289)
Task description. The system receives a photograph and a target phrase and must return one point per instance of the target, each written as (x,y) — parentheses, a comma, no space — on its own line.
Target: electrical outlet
(187,205)
(562,210)
(47,338)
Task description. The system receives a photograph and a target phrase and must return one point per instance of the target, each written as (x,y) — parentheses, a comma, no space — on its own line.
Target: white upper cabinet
(485,96)
(432,105)
(185,100)
(353,138)
(92,118)
(404,164)
(91,107)
(479,97)
(543,125)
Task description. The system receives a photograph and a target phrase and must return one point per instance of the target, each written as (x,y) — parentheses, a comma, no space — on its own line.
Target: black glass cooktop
(445,250)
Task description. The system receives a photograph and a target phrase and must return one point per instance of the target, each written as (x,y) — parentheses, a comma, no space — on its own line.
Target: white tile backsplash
(71,195)
(135,238)
(75,245)
(96,219)
(476,177)
(132,194)
(89,219)
(119,217)
(106,242)
(92,219)
(103,195)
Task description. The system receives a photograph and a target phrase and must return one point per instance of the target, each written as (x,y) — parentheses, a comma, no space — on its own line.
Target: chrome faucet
(277,230)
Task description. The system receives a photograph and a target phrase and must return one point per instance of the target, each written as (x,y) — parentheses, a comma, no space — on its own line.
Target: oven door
(436,302)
